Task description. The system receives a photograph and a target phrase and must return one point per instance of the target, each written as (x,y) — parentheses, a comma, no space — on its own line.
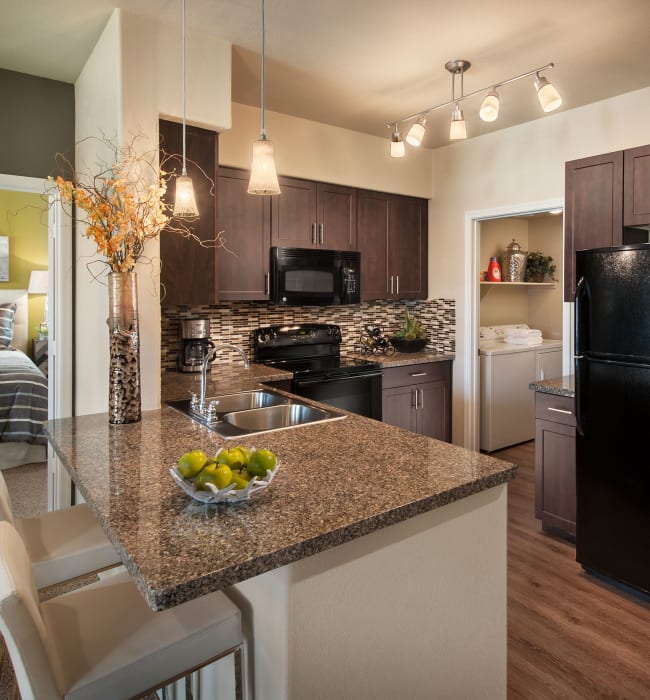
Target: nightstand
(40,354)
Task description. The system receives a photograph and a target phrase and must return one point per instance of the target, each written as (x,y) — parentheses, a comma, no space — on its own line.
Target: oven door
(358,393)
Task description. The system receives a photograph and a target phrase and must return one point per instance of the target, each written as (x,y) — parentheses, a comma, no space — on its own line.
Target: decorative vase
(124,404)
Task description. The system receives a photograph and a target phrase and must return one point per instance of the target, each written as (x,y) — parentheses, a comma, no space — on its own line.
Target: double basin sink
(249,412)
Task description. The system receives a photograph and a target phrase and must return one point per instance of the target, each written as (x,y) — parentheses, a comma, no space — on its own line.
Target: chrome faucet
(211,354)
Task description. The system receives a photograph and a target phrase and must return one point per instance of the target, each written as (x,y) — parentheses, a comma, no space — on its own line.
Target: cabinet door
(337,217)
(593,209)
(407,247)
(372,238)
(188,272)
(398,407)
(434,410)
(636,186)
(245,223)
(555,477)
(293,214)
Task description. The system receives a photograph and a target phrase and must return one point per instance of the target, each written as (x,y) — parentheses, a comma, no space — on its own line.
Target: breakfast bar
(374,566)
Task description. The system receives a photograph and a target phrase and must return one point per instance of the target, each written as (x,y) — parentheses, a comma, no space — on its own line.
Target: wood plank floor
(570,635)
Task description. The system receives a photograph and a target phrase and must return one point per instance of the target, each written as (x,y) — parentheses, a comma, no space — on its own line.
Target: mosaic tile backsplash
(234,322)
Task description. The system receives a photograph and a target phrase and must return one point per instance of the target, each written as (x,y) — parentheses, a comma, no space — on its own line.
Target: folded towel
(519,340)
(523,332)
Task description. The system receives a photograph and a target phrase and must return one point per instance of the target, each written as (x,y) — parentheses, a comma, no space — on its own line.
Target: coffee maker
(195,344)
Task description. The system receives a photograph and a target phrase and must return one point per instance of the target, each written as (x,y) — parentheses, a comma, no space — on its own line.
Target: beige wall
(545,304)
(130,79)
(317,151)
(523,164)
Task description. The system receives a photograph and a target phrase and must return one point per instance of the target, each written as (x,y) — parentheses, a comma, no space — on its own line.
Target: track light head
(457,128)
(549,98)
(397,148)
(416,132)
(490,106)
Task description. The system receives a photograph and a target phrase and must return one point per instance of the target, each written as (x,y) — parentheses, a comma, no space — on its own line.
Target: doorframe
(473,219)
(60,322)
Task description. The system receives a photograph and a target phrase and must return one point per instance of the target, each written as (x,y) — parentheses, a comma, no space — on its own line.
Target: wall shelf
(518,284)
(487,287)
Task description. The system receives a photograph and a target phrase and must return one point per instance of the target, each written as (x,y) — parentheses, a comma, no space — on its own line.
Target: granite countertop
(561,386)
(337,481)
(401,359)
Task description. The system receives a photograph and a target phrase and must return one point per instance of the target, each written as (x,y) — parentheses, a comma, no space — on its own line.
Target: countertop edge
(161,600)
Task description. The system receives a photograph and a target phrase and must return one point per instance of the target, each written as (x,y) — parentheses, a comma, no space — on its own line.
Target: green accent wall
(36,123)
(23,218)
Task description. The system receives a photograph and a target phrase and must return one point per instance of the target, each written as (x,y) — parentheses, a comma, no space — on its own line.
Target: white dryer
(507,403)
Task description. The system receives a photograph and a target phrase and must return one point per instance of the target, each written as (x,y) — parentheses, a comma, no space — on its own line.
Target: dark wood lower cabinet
(418,398)
(555,464)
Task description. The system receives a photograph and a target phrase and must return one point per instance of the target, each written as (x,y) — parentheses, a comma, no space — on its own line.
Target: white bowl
(229,494)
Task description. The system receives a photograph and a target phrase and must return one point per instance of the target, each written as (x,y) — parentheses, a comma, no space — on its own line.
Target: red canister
(494,271)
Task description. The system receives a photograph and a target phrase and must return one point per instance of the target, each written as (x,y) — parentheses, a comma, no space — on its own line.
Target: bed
(23,388)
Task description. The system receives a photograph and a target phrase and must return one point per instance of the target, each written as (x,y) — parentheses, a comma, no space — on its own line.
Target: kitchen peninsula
(374,566)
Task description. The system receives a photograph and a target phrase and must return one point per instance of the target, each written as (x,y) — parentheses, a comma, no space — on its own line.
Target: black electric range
(312,353)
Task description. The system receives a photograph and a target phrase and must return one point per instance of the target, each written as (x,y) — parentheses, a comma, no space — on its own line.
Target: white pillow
(7,315)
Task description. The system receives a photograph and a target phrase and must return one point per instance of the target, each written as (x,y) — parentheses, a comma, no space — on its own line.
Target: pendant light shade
(490,107)
(457,128)
(185,203)
(416,132)
(549,98)
(264,179)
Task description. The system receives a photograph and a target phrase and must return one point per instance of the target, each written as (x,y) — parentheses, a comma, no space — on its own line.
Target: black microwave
(315,277)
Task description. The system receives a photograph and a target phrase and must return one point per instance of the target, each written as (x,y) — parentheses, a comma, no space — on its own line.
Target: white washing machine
(507,404)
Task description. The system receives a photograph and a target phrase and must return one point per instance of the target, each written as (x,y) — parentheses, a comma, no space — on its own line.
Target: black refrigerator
(612,381)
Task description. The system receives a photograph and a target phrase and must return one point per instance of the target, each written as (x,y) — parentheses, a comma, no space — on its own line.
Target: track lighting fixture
(185,202)
(549,99)
(264,178)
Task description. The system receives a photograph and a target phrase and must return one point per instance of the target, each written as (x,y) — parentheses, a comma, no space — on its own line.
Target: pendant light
(457,127)
(185,204)
(264,179)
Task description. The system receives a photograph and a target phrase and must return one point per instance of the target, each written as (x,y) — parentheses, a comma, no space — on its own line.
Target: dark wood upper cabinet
(593,209)
(606,197)
(188,273)
(636,186)
(245,223)
(392,235)
(311,214)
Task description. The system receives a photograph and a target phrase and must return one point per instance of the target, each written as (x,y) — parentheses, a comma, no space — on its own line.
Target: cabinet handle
(313,233)
(415,391)
(267,284)
(397,285)
(418,374)
(421,397)
(321,236)
(560,410)
(391,284)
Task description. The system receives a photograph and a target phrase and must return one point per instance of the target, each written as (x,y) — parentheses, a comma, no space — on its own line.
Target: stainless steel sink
(244,400)
(248,412)
(274,417)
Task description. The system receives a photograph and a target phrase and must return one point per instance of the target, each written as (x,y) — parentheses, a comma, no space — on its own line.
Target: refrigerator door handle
(578,407)
(581,295)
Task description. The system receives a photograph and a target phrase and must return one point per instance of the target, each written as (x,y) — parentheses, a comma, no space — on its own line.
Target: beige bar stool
(62,544)
(103,641)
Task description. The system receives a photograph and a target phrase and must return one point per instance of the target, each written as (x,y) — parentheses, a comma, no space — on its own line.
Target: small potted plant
(412,337)
(539,267)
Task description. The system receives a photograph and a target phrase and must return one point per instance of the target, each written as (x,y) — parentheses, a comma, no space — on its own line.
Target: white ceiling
(361,63)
